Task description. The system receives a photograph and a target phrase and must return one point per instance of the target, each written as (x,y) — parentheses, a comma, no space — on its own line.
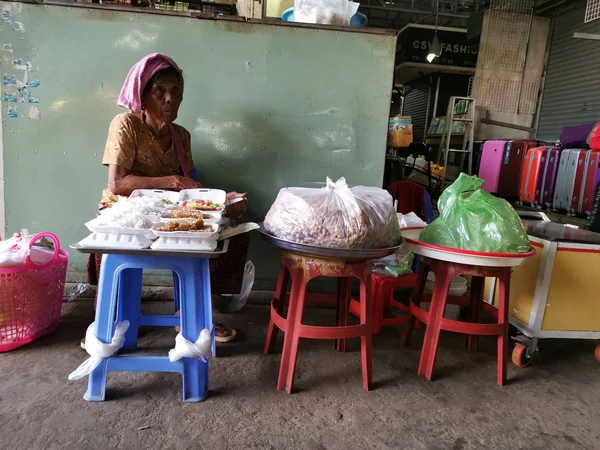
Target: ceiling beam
(414,11)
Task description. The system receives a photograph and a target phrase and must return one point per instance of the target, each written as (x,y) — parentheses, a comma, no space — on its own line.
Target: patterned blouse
(132,145)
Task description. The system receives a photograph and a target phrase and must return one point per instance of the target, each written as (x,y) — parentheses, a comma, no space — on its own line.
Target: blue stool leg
(129,298)
(195,281)
(176,292)
(104,325)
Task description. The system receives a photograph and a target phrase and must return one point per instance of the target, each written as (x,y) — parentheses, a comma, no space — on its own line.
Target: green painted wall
(268,106)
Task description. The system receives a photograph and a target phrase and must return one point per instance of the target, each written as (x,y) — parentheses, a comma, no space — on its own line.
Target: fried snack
(182,213)
(201,205)
(193,225)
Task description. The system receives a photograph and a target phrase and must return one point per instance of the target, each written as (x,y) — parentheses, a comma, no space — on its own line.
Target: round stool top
(455,255)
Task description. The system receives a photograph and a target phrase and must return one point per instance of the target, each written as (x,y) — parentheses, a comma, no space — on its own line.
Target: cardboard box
(400,132)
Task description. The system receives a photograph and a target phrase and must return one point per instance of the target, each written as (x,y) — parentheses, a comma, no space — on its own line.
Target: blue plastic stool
(120,292)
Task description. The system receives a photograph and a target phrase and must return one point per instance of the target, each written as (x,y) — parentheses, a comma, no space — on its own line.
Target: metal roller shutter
(572,89)
(416,97)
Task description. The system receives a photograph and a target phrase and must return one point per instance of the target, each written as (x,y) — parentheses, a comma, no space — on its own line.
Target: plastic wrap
(185,349)
(472,219)
(335,216)
(238,301)
(326,12)
(14,251)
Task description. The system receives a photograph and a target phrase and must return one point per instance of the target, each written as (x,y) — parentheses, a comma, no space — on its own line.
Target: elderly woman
(146,150)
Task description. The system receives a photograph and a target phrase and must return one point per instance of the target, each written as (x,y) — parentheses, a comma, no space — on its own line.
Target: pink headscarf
(137,78)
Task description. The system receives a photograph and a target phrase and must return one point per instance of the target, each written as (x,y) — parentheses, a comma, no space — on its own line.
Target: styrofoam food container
(116,241)
(214,195)
(184,243)
(188,234)
(458,285)
(172,196)
(91,225)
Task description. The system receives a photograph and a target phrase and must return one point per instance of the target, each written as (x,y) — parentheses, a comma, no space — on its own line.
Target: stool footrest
(158,320)
(319,332)
(143,364)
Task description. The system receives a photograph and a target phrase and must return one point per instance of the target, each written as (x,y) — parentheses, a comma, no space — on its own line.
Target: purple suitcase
(490,165)
(549,177)
(576,136)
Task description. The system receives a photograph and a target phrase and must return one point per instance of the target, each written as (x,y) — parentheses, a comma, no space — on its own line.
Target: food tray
(184,243)
(198,236)
(221,249)
(118,230)
(116,241)
(459,256)
(172,196)
(346,254)
(214,195)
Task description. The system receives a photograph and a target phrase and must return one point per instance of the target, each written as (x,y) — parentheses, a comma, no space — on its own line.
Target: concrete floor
(551,405)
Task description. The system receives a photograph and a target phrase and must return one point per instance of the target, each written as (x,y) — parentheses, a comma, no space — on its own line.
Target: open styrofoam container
(458,285)
(182,243)
(171,196)
(116,241)
(94,228)
(194,235)
(214,195)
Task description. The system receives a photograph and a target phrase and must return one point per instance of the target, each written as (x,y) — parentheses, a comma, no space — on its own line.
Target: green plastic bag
(472,219)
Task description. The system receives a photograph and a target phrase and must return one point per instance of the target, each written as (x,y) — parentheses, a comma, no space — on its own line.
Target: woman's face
(163,99)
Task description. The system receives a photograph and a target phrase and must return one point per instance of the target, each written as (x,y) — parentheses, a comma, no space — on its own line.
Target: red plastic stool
(382,290)
(435,321)
(302,269)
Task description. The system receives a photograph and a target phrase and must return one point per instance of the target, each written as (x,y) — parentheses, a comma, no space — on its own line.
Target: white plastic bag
(14,251)
(335,216)
(98,350)
(326,12)
(238,301)
(410,220)
(202,348)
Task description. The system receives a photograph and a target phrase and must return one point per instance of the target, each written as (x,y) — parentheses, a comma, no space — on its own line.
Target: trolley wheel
(520,357)
(597,352)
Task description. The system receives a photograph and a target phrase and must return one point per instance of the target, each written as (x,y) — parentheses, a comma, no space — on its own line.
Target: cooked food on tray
(118,219)
(201,205)
(192,225)
(183,213)
(137,205)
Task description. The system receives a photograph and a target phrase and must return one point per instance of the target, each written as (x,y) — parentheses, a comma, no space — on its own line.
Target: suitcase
(531,176)
(590,182)
(576,136)
(489,166)
(593,223)
(512,166)
(565,179)
(549,177)
(582,160)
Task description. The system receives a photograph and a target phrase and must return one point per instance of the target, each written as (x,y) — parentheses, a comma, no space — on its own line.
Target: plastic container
(458,286)
(94,228)
(182,243)
(214,195)
(357,20)
(171,196)
(101,241)
(31,295)
(192,235)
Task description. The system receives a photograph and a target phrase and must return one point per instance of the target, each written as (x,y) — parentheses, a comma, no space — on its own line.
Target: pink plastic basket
(31,297)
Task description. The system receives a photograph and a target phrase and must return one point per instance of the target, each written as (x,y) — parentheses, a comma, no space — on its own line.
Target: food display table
(448,263)
(119,295)
(555,293)
(303,263)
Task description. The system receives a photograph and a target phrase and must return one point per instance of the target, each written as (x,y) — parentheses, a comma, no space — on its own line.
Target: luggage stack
(562,177)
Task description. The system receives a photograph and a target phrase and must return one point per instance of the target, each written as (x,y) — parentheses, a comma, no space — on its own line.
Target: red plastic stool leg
(343,303)
(378,299)
(503,302)
(475,300)
(443,276)
(292,337)
(366,345)
(280,297)
(417,294)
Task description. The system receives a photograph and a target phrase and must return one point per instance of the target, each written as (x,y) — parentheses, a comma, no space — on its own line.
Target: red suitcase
(590,182)
(582,158)
(532,174)
(512,167)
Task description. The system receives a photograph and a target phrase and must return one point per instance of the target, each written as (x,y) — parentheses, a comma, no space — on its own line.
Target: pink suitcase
(578,184)
(592,178)
(490,165)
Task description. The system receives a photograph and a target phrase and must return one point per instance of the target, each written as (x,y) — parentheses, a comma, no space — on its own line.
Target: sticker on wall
(19,27)
(34,113)
(8,80)
(7,16)
(33,84)
(21,65)
(24,94)
(10,97)
(33,100)
(7,47)
(12,112)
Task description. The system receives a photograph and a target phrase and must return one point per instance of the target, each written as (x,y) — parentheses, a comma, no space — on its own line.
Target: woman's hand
(179,183)
(235,210)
